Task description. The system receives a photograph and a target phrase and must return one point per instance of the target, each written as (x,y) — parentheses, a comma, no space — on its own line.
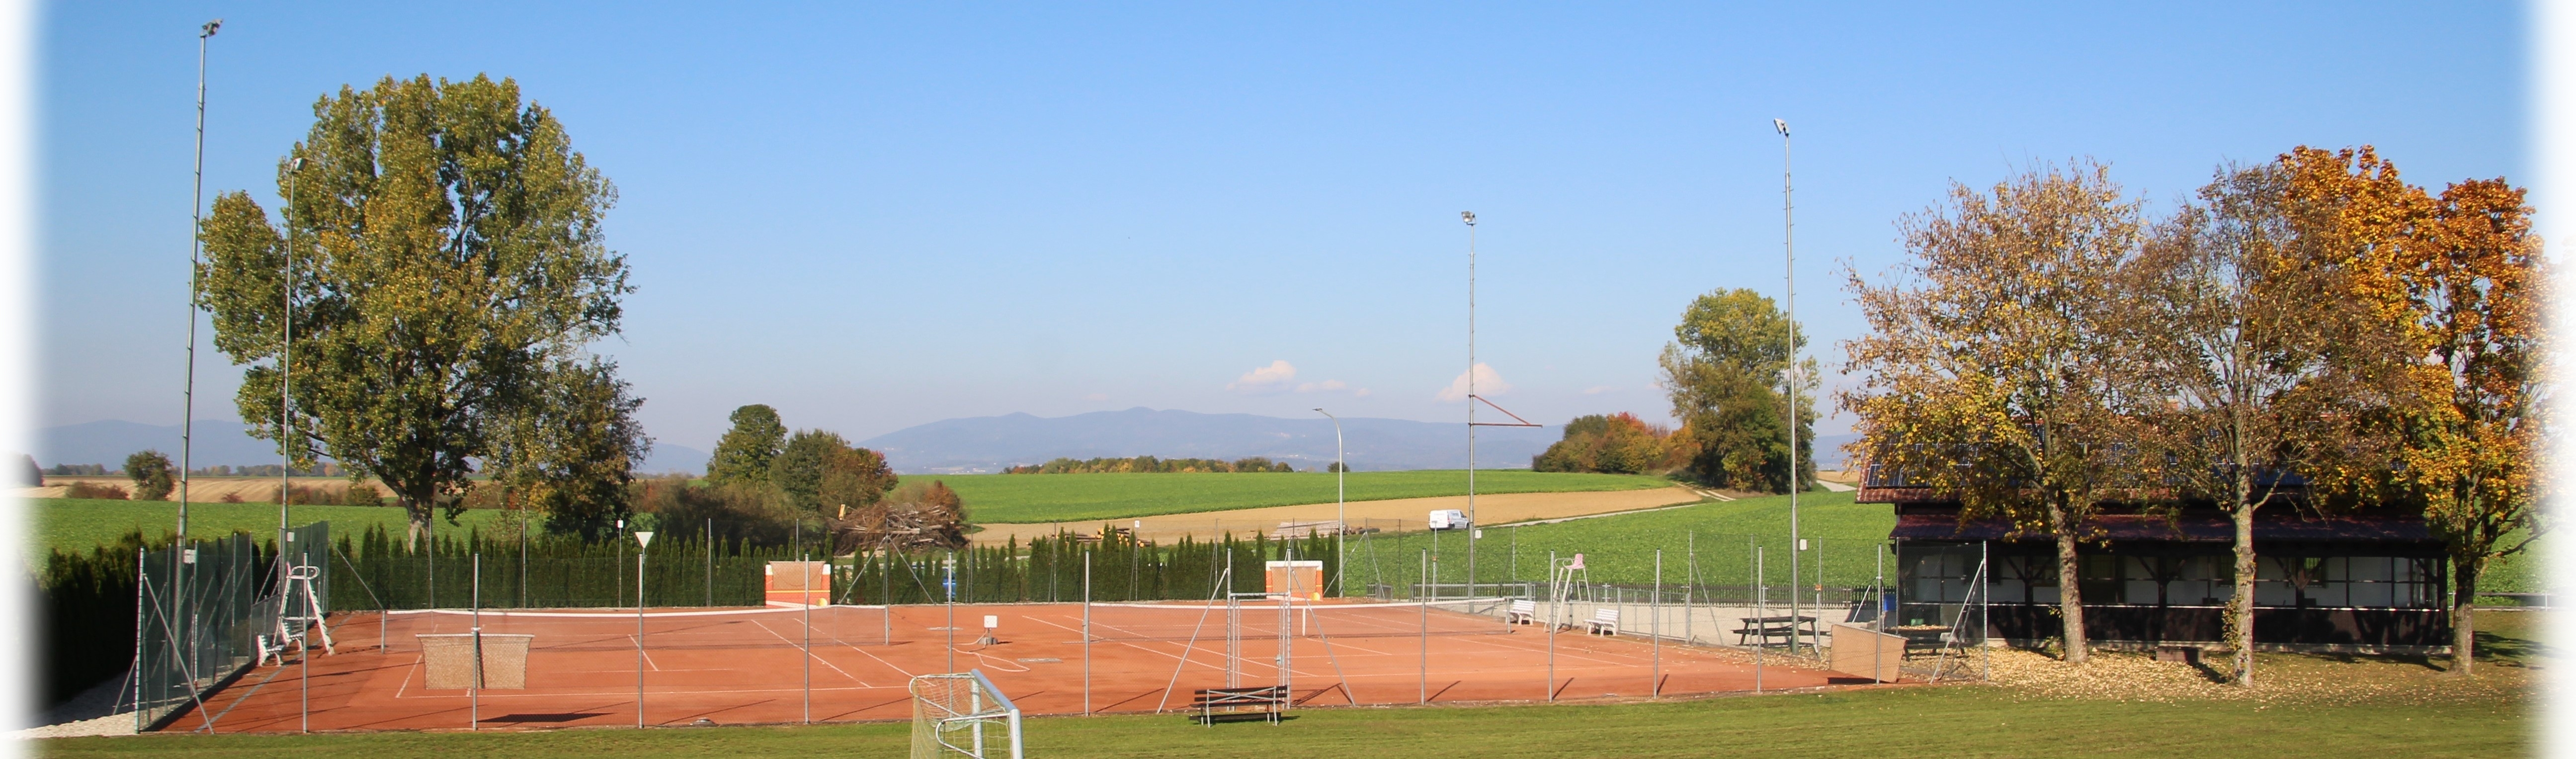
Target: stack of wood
(909,519)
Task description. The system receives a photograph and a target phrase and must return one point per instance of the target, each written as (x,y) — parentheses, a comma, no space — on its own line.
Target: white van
(1448,519)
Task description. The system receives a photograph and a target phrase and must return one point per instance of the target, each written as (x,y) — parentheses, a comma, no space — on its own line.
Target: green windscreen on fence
(204,607)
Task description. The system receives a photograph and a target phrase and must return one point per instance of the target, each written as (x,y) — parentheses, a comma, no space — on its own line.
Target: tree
(1617,444)
(742,456)
(2475,285)
(798,468)
(447,256)
(572,453)
(1726,372)
(1987,366)
(854,478)
(2238,320)
(151,473)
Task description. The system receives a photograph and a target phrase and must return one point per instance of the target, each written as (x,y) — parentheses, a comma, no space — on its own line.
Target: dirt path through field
(1393,514)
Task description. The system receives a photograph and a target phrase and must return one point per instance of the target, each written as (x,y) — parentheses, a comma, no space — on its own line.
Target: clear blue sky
(888,215)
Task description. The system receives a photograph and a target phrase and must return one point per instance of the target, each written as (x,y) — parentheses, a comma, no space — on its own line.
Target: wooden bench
(1604,621)
(1270,699)
(1766,628)
(1523,612)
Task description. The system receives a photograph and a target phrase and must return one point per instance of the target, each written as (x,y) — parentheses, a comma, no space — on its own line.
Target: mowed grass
(1029,498)
(1620,548)
(68,524)
(1918,721)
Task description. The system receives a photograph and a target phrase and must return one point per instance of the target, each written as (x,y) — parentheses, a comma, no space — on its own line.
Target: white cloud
(1325,386)
(1360,393)
(1275,378)
(1599,389)
(1488,383)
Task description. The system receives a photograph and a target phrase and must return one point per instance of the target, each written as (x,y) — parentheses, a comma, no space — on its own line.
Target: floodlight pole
(188,391)
(285,446)
(196,241)
(1789,247)
(1340,494)
(1472,524)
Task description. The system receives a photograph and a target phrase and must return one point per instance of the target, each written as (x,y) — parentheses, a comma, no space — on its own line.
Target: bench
(1766,628)
(1604,621)
(1523,612)
(1270,699)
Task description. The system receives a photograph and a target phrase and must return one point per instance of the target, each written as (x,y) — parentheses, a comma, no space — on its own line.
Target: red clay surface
(746,665)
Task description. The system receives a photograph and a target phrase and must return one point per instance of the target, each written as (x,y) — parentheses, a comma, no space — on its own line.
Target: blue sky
(878,216)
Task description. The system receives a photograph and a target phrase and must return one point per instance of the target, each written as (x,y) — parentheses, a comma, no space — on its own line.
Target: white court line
(808,652)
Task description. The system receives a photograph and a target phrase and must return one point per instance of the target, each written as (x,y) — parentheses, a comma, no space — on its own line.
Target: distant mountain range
(227,443)
(990,443)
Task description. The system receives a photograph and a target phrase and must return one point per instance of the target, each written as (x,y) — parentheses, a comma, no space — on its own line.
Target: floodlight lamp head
(296,165)
(643,538)
(1469,216)
(1783,126)
(209,29)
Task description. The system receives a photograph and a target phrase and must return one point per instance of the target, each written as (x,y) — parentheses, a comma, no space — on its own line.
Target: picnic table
(1784,626)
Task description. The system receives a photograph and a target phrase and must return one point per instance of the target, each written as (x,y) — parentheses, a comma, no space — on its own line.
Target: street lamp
(1340,524)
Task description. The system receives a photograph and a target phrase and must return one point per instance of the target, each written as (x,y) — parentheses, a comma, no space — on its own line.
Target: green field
(1620,548)
(78,525)
(1026,498)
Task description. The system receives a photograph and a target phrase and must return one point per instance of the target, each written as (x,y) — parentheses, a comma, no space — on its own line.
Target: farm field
(67,524)
(2490,717)
(1027,498)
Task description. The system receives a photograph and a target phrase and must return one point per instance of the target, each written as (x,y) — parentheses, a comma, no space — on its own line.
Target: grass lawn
(1076,497)
(80,524)
(1620,548)
(1943,721)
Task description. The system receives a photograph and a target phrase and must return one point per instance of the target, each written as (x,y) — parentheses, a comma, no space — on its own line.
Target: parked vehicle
(1448,519)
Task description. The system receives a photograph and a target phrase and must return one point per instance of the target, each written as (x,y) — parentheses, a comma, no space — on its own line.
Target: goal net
(962,714)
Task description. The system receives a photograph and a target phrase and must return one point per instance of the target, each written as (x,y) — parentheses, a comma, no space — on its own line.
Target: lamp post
(1340,525)
(643,539)
(1789,248)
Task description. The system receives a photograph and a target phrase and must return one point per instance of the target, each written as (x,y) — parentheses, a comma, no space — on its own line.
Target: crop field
(1026,498)
(68,524)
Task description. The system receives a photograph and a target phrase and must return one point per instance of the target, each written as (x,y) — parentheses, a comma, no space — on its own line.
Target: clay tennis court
(739,666)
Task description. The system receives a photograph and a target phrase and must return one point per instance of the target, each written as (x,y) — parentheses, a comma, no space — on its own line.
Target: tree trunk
(418,510)
(2240,606)
(2070,596)
(2464,633)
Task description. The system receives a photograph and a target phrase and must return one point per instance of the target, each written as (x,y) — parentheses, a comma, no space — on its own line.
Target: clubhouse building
(2365,581)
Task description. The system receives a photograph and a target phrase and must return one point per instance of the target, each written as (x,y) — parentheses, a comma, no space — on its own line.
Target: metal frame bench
(1271,699)
(1523,612)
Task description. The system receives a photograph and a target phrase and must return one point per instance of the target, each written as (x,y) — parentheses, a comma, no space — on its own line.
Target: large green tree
(742,456)
(448,262)
(1727,372)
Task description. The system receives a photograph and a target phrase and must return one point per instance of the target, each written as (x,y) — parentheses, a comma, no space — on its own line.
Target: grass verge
(69,524)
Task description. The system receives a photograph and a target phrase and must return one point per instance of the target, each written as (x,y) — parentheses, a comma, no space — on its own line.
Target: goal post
(963,714)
